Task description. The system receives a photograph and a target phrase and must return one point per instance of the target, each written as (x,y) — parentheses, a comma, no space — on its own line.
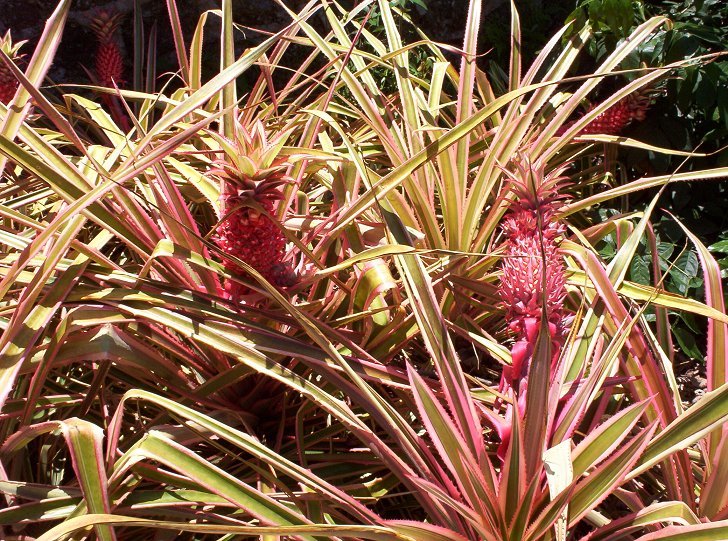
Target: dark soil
(691,381)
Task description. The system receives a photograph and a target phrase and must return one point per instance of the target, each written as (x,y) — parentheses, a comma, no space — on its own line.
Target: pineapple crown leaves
(9,47)
(532,187)
(252,159)
(104,25)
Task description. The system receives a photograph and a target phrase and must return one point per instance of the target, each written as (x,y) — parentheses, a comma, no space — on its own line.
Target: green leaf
(685,272)
(711,531)
(84,441)
(250,445)
(657,513)
(602,482)
(157,446)
(36,71)
(720,246)
(686,341)
(639,270)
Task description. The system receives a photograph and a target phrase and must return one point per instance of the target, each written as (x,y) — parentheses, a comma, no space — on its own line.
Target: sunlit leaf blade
(708,413)
(668,512)
(84,440)
(607,476)
(710,531)
(246,442)
(38,66)
(156,446)
(375,533)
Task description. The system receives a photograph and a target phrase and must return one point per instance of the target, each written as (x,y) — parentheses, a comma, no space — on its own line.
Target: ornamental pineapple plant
(250,175)
(532,284)
(8,82)
(146,385)
(109,63)
(620,115)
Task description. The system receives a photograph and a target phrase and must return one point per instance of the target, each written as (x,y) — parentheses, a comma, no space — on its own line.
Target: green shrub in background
(690,113)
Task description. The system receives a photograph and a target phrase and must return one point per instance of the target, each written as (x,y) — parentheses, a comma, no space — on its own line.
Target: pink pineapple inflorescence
(109,61)
(8,82)
(251,175)
(620,115)
(532,285)
(251,236)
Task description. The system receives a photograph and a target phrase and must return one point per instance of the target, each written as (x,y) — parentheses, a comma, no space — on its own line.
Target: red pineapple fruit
(251,235)
(251,174)
(109,62)
(109,65)
(532,284)
(620,115)
(8,82)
